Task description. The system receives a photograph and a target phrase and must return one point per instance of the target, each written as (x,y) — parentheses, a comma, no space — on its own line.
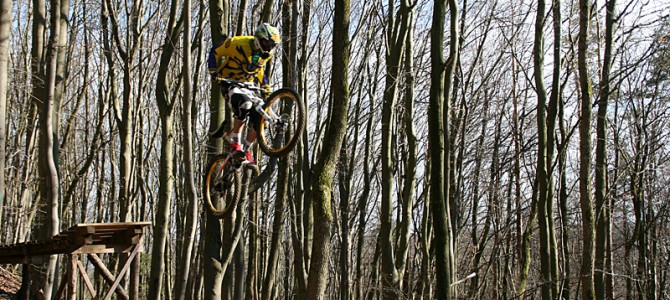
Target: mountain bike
(281,125)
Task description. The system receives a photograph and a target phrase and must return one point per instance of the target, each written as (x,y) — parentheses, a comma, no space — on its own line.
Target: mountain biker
(243,58)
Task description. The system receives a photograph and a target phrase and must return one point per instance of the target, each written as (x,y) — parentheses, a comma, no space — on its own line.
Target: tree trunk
(266,15)
(165,105)
(363,199)
(344,182)
(586,202)
(191,195)
(219,10)
(546,125)
(437,131)
(5,29)
(411,157)
(325,167)
(425,284)
(563,203)
(38,99)
(395,38)
(277,229)
(252,231)
(602,212)
(300,208)
(50,186)
(61,71)
(125,118)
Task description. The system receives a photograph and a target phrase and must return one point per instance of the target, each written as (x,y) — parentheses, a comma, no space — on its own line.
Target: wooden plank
(129,236)
(107,276)
(87,280)
(122,273)
(114,225)
(103,248)
(72,284)
(83,236)
(78,239)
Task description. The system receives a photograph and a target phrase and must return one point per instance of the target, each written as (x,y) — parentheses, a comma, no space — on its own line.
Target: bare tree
(439,112)
(213,272)
(126,110)
(602,205)
(165,102)
(328,159)
(5,26)
(191,195)
(586,202)
(546,123)
(50,185)
(395,40)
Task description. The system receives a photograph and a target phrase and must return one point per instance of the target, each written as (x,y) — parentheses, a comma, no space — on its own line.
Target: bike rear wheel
(222,186)
(280,138)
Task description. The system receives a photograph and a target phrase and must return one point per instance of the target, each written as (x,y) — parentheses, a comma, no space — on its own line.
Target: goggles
(267,45)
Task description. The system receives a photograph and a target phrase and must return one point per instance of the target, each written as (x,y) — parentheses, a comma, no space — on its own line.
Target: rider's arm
(265,85)
(215,54)
(263,79)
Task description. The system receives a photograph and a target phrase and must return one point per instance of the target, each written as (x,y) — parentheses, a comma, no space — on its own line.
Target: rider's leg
(254,118)
(238,102)
(249,144)
(233,136)
(251,136)
(236,130)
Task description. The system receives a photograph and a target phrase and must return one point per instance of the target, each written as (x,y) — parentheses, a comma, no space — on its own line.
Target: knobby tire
(221,181)
(279,143)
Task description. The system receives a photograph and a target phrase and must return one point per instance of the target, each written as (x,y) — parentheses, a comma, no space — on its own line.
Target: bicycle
(281,125)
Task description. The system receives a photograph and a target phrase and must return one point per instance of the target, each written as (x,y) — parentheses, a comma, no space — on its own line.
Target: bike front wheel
(222,186)
(277,137)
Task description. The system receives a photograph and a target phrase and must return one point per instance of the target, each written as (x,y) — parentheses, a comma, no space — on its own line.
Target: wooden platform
(89,239)
(78,239)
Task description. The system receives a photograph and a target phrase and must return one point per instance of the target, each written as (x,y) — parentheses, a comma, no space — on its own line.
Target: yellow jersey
(237,60)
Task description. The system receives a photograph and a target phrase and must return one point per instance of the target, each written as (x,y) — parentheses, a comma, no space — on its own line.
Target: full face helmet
(266,38)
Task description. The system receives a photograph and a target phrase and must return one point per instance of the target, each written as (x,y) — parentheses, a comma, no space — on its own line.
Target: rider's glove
(267,90)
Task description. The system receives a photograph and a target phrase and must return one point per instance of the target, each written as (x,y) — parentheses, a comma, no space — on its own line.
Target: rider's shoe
(249,160)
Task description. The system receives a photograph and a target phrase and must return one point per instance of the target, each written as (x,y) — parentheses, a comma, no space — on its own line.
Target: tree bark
(563,203)
(252,231)
(395,38)
(585,199)
(602,212)
(165,104)
(125,115)
(300,206)
(213,273)
(5,30)
(62,71)
(277,229)
(437,131)
(325,167)
(546,125)
(49,186)
(191,194)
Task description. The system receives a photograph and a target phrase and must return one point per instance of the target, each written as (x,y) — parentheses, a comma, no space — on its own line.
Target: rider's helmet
(266,38)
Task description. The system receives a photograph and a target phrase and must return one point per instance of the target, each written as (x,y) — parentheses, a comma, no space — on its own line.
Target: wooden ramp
(89,239)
